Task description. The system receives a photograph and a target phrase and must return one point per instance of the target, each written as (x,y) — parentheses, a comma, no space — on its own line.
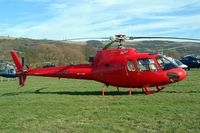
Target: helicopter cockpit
(165,63)
(147,64)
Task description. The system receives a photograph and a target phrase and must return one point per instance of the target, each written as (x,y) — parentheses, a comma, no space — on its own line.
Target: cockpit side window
(130,66)
(147,65)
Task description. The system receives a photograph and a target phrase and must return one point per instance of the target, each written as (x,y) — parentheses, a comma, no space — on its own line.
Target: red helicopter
(120,67)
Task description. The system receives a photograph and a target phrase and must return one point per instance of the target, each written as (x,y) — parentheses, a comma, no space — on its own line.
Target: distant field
(6,37)
(52,105)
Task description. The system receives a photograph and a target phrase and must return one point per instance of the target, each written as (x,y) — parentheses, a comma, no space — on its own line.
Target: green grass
(65,105)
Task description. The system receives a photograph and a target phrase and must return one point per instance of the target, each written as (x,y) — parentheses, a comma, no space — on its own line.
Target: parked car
(180,64)
(191,61)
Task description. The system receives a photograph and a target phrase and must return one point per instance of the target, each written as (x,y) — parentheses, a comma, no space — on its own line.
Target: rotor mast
(120,38)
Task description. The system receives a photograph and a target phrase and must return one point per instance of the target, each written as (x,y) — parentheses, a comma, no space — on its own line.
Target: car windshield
(165,63)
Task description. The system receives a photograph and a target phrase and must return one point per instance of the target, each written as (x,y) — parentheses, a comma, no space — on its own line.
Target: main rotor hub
(120,38)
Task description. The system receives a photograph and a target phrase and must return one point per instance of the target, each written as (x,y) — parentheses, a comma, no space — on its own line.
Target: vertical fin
(16,60)
(19,64)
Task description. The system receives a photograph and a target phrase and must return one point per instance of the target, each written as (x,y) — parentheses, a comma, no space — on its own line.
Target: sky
(65,19)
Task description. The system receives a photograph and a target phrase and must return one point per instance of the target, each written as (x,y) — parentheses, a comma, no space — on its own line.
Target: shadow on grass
(180,91)
(87,93)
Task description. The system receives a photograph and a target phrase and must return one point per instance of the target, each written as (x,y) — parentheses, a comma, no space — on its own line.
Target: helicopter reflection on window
(147,65)
(165,63)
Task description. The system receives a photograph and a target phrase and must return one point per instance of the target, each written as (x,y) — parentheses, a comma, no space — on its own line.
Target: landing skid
(104,86)
(147,91)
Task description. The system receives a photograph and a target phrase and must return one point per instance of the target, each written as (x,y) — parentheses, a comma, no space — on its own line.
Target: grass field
(65,105)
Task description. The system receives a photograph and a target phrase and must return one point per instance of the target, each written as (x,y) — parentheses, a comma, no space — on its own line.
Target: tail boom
(82,71)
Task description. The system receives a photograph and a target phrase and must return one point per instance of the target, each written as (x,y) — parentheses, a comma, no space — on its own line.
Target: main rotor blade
(88,38)
(174,38)
(108,45)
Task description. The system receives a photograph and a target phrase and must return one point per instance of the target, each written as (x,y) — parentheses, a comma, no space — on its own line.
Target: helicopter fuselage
(121,67)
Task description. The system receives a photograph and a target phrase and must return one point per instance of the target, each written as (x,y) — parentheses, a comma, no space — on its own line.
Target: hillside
(7,38)
(171,48)
(40,52)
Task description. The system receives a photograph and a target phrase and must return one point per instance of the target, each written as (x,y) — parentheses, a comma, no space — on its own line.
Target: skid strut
(102,93)
(147,91)
(159,88)
(118,89)
(130,91)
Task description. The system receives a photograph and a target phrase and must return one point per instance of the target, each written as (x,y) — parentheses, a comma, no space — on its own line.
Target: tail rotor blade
(16,60)
(22,77)
(22,62)
(21,70)
(21,80)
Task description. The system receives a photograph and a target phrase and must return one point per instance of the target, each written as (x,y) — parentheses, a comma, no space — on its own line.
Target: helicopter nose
(179,75)
(182,74)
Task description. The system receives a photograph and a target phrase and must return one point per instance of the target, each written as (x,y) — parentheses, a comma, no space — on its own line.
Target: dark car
(191,61)
(180,64)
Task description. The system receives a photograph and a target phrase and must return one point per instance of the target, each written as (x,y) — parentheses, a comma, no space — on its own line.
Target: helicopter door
(131,73)
(147,70)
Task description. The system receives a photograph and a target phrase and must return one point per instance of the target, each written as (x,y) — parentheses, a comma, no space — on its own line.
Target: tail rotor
(21,69)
